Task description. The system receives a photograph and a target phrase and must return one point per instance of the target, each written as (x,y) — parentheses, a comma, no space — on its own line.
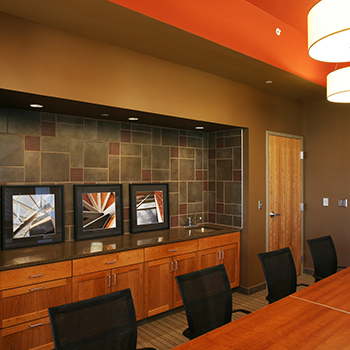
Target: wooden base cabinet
(99,275)
(31,335)
(24,317)
(162,264)
(223,249)
(27,293)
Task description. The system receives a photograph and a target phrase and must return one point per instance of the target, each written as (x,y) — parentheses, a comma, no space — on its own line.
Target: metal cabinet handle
(36,325)
(173,250)
(175,265)
(272,214)
(223,255)
(35,289)
(219,251)
(34,276)
(112,262)
(172,266)
(109,281)
(114,279)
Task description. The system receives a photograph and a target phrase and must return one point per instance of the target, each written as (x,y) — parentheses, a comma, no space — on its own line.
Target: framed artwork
(32,215)
(149,207)
(98,211)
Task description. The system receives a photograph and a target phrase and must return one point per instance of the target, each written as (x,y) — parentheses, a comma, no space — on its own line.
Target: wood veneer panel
(35,274)
(107,261)
(217,241)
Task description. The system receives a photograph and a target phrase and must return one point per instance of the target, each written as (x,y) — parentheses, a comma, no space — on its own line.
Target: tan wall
(327,174)
(47,61)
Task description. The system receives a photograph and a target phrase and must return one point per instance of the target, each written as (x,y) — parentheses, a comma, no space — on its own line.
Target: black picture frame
(98,211)
(32,215)
(148,217)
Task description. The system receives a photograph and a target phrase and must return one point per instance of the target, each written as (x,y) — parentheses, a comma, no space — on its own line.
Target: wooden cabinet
(162,264)
(108,273)
(26,295)
(31,335)
(223,249)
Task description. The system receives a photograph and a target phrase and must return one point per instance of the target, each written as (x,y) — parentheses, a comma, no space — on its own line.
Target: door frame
(273,133)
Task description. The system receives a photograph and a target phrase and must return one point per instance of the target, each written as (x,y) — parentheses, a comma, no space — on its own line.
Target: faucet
(191,222)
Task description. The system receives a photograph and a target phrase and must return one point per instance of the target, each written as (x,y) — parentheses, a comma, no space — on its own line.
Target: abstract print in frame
(98,211)
(149,208)
(32,215)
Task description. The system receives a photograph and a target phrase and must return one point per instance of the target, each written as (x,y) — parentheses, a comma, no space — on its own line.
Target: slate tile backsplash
(203,169)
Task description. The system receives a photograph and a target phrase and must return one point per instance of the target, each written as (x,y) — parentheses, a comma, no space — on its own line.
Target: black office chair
(105,322)
(207,299)
(280,273)
(324,257)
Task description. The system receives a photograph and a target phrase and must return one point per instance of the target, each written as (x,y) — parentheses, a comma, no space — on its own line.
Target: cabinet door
(230,258)
(182,264)
(34,335)
(157,286)
(208,258)
(28,303)
(130,277)
(91,285)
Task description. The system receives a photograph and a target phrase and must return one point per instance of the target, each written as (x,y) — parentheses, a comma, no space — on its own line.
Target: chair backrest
(207,299)
(105,322)
(324,256)
(280,273)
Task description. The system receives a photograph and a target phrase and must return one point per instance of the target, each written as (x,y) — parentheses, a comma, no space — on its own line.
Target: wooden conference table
(316,317)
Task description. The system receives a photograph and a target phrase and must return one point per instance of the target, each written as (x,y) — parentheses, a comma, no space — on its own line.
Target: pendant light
(329,31)
(338,85)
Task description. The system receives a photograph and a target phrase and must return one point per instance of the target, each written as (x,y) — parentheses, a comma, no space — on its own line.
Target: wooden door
(91,285)
(285,195)
(208,258)
(157,286)
(182,264)
(130,277)
(230,258)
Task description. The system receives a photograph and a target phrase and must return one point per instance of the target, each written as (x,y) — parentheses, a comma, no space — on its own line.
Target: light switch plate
(325,202)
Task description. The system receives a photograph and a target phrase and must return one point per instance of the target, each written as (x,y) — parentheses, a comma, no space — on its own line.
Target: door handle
(272,214)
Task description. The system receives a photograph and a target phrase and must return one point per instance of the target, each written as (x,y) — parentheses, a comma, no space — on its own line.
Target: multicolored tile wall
(203,169)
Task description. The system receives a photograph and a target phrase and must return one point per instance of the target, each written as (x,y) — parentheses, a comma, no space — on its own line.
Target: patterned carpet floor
(165,332)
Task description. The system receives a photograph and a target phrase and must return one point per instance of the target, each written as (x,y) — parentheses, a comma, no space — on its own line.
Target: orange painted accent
(240,26)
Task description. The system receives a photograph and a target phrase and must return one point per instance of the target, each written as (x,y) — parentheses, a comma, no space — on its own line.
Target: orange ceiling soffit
(240,26)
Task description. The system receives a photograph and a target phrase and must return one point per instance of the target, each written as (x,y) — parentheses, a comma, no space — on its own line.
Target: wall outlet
(342,203)
(325,202)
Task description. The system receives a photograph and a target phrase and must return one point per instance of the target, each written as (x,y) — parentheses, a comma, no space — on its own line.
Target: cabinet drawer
(168,250)
(32,335)
(217,241)
(31,302)
(107,261)
(34,274)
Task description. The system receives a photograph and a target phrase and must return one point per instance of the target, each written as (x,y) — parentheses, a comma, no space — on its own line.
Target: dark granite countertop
(24,257)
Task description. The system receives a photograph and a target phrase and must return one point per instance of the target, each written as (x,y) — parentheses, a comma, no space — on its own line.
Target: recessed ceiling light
(104,115)
(268,82)
(36,105)
(133,118)
(199,127)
